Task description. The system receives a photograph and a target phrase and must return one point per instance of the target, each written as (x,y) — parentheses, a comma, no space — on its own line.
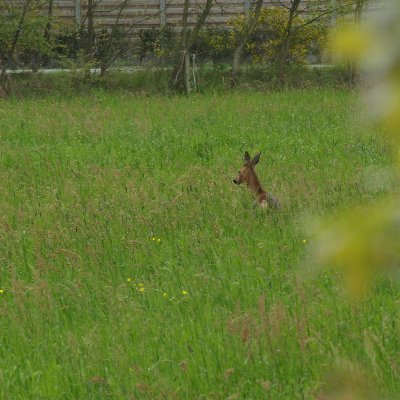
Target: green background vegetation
(88,181)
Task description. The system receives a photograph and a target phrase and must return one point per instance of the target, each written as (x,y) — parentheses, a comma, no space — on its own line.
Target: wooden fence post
(163,16)
(78,12)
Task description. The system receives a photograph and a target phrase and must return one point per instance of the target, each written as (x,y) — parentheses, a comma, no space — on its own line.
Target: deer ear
(255,159)
(246,158)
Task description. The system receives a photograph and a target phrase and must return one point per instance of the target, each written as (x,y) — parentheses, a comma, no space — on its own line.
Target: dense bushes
(269,38)
(157,42)
(22,33)
(217,44)
(31,37)
(46,41)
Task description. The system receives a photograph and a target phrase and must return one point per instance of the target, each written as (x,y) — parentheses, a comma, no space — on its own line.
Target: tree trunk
(179,70)
(181,73)
(286,42)
(47,32)
(236,61)
(185,50)
(188,85)
(90,36)
(251,26)
(353,69)
(110,50)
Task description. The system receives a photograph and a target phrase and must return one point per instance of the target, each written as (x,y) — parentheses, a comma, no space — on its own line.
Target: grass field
(220,305)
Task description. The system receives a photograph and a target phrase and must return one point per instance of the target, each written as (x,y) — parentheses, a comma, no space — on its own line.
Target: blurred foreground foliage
(366,241)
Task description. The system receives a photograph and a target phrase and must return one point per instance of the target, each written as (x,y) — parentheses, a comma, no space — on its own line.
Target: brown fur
(248,175)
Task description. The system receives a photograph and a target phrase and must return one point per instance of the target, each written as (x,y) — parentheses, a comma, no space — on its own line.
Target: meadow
(131,267)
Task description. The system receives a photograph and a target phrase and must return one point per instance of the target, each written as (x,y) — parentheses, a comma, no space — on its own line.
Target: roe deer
(248,175)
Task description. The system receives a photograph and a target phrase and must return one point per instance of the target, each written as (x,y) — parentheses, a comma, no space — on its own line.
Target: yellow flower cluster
(183,292)
(139,286)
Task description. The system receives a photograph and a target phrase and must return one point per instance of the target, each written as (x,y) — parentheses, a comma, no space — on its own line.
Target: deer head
(247,173)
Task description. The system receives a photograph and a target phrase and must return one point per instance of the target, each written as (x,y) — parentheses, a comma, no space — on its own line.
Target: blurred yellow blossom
(362,242)
(366,241)
(350,42)
(184,292)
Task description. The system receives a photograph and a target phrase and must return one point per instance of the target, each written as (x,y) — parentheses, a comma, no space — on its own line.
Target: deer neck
(255,185)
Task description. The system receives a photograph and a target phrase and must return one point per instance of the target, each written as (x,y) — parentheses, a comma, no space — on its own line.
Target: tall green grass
(94,308)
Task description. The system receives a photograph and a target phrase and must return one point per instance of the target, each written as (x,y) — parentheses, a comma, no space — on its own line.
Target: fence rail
(153,13)
(145,14)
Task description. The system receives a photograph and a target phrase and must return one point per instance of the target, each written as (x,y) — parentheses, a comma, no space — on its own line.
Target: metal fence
(158,13)
(151,13)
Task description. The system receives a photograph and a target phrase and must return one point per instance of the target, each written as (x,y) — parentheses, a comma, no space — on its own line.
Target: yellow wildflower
(304,241)
(184,292)
(141,290)
(129,280)
(1,291)
(158,240)
(165,295)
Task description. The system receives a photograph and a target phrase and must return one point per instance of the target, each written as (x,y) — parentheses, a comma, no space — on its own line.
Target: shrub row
(50,42)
